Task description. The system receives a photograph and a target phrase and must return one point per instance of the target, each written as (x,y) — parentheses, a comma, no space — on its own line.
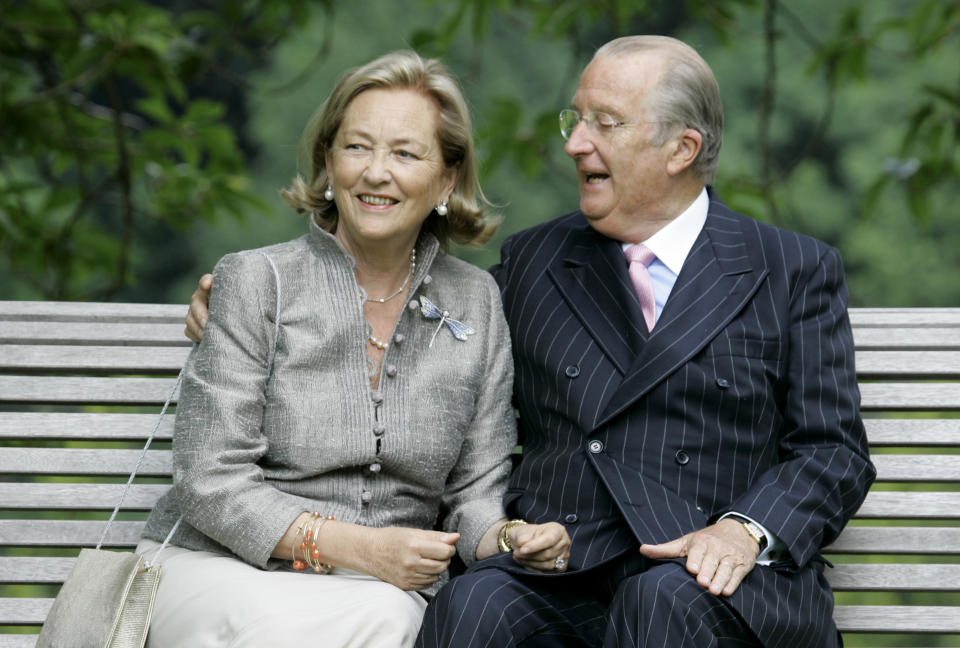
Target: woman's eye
(407,155)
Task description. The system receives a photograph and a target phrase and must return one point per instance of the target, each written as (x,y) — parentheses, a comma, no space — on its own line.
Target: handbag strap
(143,453)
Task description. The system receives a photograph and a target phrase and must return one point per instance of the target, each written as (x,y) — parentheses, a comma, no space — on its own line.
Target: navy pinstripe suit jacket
(744,398)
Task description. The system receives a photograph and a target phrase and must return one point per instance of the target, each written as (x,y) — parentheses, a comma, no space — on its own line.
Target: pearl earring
(442,208)
(328,194)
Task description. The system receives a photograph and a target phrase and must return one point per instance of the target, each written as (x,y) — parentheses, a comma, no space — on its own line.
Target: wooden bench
(81,385)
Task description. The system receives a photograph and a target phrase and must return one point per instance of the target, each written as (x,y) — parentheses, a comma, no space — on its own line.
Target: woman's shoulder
(257,260)
(452,269)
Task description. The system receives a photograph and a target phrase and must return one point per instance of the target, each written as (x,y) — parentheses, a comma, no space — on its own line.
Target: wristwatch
(752,528)
(503,538)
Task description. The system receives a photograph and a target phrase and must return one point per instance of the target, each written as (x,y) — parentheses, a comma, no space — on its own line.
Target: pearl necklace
(380,344)
(413,267)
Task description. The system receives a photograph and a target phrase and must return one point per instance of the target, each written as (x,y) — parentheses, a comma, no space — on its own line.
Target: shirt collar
(673,242)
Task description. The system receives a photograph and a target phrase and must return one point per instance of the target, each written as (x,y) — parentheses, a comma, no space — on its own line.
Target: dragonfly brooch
(459,330)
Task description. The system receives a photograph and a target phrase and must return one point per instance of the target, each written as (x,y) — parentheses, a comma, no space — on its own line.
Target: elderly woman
(350,396)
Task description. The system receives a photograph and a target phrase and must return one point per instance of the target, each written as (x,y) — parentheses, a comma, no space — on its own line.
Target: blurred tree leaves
(107,132)
(125,124)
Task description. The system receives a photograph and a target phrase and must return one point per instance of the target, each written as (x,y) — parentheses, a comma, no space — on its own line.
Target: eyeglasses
(600,122)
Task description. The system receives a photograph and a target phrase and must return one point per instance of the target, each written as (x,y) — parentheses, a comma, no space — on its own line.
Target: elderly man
(686,393)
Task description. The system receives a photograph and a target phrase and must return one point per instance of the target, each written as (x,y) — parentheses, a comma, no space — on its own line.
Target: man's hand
(720,555)
(199,302)
(538,546)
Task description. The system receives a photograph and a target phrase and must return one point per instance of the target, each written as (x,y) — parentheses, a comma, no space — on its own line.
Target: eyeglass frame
(594,121)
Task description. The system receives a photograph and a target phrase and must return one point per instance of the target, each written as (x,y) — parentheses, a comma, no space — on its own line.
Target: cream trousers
(207,600)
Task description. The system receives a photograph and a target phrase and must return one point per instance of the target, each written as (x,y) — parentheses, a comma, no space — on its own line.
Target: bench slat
(921,505)
(897,540)
(914,338)
(24,611)
(87,426)
(68,533)
(904,317)
(918,619)
(79,497)
(888,577)
(87,359)
(103,333)
(910,396)
(17,641)
(908,365)
(88,391)
(35,571)
(82,461)
(913,432)
(52,311)
(917,468)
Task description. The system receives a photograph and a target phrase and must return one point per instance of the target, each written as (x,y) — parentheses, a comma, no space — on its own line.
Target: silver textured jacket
(255,446)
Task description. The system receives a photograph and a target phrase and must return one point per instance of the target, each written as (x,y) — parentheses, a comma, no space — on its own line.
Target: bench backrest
(81,385)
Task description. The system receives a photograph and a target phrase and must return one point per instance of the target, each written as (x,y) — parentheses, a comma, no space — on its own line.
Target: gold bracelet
(503,538)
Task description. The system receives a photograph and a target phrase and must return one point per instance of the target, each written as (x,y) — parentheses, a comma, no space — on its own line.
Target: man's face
(622,179)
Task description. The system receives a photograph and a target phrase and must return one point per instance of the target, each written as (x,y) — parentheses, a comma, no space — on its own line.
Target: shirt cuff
(775,546)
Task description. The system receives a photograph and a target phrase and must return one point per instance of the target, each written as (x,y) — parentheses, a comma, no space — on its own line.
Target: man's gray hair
(687,93)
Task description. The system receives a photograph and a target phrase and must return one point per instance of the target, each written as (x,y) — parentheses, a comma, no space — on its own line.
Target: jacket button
(379,429)
(723,383)
(366,496)
(413,304)
(374,467)
(391,371)
(398,338)
(376,396)
(572,371)
(682,457)
(571,518)
(427,280)
(595,447)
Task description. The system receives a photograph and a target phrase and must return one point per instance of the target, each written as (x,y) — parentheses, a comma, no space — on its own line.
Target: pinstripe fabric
(743,398)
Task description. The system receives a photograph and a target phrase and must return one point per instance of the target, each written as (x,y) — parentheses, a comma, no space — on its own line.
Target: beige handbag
(107,600)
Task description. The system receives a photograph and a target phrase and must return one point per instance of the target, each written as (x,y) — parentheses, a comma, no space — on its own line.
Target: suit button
(571,518)
(572,371)
(413,304)
(379,429)
(374,467)
(391,371)
(595,447)
(398,338)
(366,496)
(376,396)
(682,457)
(723,383)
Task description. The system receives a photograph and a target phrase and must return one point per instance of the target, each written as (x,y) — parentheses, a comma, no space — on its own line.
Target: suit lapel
(717,280)
(591,277)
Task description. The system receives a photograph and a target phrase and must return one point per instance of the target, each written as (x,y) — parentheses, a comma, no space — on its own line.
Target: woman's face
(386,168)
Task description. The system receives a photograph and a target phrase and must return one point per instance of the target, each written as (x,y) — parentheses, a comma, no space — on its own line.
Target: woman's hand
(539,546)
(411,559)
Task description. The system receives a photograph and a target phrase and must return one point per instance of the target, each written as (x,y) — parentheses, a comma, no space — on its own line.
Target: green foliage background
(141,141)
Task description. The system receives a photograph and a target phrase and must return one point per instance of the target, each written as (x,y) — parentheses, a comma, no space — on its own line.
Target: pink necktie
(640,256)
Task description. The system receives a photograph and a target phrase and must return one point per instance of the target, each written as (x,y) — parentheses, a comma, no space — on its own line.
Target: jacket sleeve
(824,470)
(475,487)
(218,437)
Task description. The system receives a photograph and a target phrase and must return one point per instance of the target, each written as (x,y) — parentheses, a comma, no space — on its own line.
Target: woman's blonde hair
(465,221)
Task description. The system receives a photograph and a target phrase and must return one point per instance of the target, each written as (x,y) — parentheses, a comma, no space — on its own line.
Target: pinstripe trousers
(631,602)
